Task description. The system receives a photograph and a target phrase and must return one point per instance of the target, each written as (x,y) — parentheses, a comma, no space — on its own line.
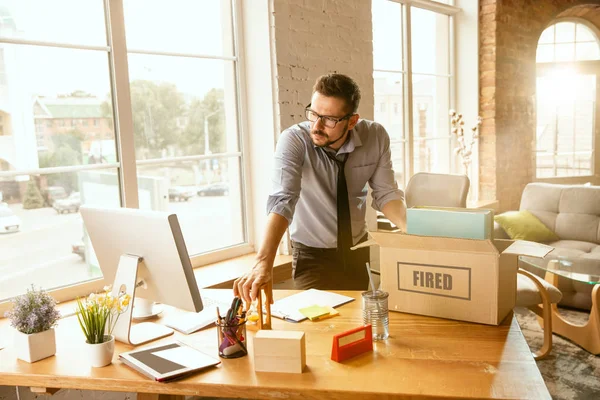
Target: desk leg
(586,336)
(156,396)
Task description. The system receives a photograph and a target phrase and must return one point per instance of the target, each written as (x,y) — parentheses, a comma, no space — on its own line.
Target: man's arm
(395,211)
(248,285)
(386,195)
(287,176)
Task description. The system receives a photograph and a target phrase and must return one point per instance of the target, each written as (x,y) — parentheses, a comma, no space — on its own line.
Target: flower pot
(35,346)
(101,354)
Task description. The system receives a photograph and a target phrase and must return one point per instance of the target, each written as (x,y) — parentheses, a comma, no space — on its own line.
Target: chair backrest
(437,190)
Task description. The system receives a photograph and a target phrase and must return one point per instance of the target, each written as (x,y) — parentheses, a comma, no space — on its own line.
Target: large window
(568,61)
(412,54)
(89,115)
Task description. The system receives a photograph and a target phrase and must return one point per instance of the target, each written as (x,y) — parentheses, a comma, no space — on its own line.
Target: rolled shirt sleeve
(382,182)
(287,174)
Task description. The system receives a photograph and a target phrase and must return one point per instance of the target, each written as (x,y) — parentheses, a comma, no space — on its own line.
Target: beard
(320,134)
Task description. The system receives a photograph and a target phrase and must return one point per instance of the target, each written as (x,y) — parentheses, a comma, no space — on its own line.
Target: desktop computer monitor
(143,254)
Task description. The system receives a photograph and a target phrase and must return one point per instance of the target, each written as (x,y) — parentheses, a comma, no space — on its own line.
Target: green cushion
(523,225)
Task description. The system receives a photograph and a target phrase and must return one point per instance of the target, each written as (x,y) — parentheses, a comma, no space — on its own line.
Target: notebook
(288,307)
(167,362)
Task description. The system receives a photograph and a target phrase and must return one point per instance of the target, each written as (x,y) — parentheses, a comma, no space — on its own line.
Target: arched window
(568,63)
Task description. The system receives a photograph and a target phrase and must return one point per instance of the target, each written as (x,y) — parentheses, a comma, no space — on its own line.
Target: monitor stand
(125,282)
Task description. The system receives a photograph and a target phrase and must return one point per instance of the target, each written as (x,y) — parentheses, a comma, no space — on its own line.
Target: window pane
(584,34)
(565,32)
(432,155)
(67,21)
(430,44)
(389,90)
(205,195)
(387,35)
(45,243)
(547,36)
(200,27)
(564,52)
(430,120)
(588,51)
(174,106)
(49,101)
(565,124)
(545,53)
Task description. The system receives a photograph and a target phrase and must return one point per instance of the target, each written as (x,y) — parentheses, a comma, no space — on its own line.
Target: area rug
(570,372)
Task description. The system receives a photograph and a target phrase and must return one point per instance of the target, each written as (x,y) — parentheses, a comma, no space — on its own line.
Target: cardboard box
(462,279)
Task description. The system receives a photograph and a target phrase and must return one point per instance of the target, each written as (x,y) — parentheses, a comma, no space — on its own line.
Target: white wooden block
(279,351)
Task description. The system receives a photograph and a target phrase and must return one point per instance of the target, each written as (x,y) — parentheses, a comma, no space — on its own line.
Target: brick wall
(510,30)
(313,38)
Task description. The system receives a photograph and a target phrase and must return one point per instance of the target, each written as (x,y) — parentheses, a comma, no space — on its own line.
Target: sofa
(573,213)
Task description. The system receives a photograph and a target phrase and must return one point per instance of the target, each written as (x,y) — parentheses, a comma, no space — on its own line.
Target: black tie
(344,223)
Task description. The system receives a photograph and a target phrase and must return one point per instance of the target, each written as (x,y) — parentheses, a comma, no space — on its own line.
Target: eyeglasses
(328,121)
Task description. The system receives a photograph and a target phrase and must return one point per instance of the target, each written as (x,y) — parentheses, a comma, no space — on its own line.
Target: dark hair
(340,86)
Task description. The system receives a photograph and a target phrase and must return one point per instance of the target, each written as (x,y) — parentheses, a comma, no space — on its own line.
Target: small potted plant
(34,316)
(97,315)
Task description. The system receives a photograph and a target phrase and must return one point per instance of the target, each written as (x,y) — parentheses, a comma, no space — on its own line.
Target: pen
(218,316)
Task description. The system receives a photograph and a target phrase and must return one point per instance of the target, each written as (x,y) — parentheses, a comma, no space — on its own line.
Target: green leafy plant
(33,312)
(33,198)
(98,314)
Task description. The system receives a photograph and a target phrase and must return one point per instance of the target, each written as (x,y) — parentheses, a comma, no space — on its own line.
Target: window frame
(407,108)
(591,67)
(126,165)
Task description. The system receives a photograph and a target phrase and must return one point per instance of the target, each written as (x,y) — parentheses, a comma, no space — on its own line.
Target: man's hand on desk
(248,285)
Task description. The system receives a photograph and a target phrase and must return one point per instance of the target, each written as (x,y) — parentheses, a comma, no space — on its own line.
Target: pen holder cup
(232,339)
(375,312)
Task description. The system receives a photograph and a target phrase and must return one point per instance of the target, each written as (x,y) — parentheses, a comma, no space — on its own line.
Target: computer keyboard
(190,322)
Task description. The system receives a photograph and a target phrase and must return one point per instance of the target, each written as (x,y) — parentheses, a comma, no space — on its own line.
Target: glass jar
(375,312)
(232,339)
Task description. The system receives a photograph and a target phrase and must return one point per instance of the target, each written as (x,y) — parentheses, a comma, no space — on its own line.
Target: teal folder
(465,223)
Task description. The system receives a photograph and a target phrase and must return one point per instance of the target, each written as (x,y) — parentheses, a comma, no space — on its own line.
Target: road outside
(40,253)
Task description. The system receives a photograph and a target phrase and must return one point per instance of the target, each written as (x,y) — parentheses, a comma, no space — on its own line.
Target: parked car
(70,204)
(9,222)
(180,193)
(54,193)
(214,189)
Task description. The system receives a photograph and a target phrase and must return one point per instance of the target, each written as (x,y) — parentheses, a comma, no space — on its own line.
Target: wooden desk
(425,358)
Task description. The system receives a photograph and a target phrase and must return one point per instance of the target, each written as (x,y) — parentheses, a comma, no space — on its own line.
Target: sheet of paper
(288,307)
(187,356)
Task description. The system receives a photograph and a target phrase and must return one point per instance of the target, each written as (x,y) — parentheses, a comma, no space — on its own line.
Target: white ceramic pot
(35,346)
(101,354)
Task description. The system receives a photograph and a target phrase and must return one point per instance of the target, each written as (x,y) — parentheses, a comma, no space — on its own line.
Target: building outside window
(419,89)
(186,154)
(568,61)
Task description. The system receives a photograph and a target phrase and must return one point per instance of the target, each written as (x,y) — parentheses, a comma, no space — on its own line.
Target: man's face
(320,134)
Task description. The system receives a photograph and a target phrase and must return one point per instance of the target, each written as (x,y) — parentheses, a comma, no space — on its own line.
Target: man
(321,170)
